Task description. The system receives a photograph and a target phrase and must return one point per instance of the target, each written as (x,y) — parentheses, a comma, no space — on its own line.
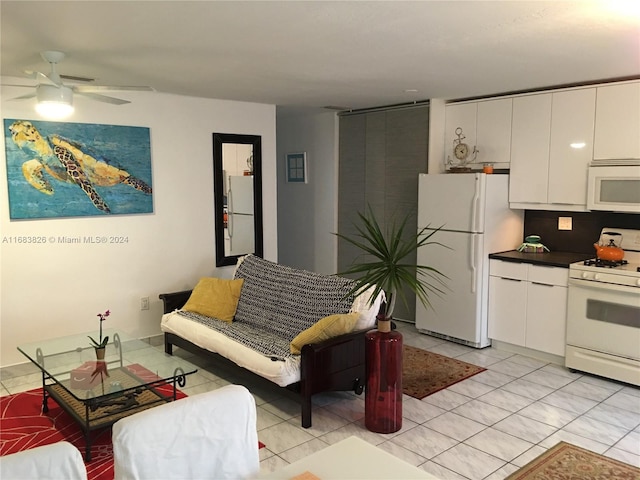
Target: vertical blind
(381,153)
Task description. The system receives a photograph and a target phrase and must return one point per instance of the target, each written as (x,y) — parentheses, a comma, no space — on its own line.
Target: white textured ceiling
(352,54)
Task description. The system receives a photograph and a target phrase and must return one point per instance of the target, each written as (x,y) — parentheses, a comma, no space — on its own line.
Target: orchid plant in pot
(384,265)
(101,345)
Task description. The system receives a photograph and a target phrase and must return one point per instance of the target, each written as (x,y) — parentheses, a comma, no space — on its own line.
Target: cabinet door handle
(511,279)
(543,284)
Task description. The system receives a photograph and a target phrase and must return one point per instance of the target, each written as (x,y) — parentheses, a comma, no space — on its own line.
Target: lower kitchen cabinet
(528,305)
(546,317)
(507,301)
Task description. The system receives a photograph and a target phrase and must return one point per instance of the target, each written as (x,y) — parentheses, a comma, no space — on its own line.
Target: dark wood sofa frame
(336,364)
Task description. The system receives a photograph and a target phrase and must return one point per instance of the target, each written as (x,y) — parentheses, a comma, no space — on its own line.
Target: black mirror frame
(256,141)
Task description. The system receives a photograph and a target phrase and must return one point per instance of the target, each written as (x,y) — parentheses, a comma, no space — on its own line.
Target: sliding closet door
(381,154)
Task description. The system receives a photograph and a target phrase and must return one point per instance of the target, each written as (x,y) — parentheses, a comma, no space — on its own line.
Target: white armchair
(56,461)
(210,435)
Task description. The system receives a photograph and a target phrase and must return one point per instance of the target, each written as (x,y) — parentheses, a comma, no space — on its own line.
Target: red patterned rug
(424,373)
(23,425)
(565,461)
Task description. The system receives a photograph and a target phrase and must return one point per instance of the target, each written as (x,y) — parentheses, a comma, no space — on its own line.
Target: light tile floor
(485,427)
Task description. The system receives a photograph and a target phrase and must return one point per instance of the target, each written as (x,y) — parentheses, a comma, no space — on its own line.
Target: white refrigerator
(473,211)
(240,222)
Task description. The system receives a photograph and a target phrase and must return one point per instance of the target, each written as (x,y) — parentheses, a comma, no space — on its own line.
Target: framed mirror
(237,185)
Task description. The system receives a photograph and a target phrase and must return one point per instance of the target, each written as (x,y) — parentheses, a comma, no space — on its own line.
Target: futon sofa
(299,329)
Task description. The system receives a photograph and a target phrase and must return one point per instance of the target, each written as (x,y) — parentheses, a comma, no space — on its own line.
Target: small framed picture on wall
(297,167)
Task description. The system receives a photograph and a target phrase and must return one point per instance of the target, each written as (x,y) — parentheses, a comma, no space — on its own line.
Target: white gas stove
(603,312)
(626,272)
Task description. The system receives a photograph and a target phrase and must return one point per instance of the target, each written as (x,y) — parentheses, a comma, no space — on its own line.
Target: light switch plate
(565,223)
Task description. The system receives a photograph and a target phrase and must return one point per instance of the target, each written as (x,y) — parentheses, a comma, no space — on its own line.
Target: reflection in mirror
(237,181)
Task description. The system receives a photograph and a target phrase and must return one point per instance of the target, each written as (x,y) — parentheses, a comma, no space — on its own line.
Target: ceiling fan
(51,90)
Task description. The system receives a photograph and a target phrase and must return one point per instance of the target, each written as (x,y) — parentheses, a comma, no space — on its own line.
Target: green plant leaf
(102,344)
(388,271)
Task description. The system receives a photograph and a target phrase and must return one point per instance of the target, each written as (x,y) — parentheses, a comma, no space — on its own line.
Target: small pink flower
(103,341)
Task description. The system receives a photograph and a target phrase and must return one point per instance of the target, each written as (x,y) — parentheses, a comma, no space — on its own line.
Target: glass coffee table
(133,377)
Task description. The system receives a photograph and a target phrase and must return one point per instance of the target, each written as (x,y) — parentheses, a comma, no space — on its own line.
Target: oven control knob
(596,276)
(585,275)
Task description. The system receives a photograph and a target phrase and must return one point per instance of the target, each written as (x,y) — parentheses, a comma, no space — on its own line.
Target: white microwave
(614,188)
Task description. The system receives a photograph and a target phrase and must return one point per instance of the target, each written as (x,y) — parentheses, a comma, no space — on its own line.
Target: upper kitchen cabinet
(571,150)
(486,125)
(617,122)
(494,132)
(551,147)
(530,139)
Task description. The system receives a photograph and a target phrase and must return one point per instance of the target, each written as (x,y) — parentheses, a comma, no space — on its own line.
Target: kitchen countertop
(551,259)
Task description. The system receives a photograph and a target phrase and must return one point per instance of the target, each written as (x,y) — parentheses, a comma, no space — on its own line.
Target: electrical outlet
(565,223)
(144,303)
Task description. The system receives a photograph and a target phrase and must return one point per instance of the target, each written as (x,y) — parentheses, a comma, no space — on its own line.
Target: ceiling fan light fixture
(54,102)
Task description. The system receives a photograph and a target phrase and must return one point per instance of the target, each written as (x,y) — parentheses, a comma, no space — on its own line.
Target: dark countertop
(552,259)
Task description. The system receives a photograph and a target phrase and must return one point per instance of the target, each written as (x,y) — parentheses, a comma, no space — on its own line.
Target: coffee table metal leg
(40,359)
(87,436)
(179,379)
(87,448)
(45,397)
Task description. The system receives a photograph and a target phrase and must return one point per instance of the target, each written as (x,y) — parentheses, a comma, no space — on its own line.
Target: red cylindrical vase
(383,392)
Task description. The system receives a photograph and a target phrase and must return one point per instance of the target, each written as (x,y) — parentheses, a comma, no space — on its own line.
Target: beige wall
(57,289)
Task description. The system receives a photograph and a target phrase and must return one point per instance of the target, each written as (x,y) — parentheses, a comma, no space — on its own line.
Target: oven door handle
(576,282)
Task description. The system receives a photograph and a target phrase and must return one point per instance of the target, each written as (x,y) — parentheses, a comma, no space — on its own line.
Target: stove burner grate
(597,262)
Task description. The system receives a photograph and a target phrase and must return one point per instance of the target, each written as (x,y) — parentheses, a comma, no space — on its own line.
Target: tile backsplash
(586,228)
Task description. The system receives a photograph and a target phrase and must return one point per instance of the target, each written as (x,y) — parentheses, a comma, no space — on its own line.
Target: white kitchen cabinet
(530,138)
(493,132)
(571,149)
(486,124)
(546,318)
(552,146)
(507,320)
(528,305)
(617,122)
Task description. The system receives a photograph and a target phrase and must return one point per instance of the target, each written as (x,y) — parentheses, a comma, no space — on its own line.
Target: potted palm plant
(384,265)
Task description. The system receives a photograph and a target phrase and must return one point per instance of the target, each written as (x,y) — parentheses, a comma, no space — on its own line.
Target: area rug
(424,373)
(566,461)
(23,425)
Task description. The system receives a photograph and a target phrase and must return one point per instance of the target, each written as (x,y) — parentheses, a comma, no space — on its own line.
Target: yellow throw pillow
(323,329)
(215,297)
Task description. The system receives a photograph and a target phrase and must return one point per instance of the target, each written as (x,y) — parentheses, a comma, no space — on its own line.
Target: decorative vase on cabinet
(383,392)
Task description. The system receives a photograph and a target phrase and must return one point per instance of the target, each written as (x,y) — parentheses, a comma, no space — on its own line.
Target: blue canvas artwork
(58,169)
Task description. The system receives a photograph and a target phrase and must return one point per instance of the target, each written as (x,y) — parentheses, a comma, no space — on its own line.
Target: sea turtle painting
(55,165)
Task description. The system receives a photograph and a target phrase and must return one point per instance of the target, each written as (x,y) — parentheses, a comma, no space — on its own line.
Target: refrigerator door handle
(472,258)
(230,213)
(474,207)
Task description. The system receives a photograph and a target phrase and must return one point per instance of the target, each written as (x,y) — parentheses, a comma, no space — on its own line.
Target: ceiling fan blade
(25,96)
(75,78)
(103,98)
(105,88)
(41,77)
